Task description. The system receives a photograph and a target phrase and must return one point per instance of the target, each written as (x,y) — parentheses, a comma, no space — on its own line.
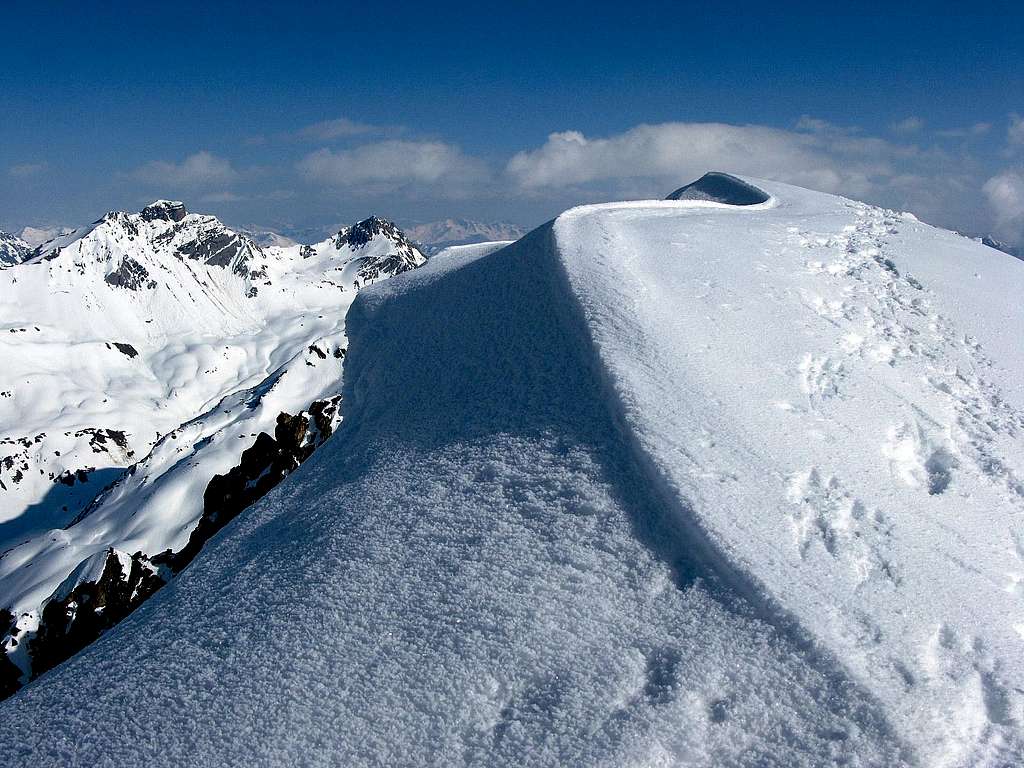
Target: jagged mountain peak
(12,249)
(362,253)
(132,245)
(362,232)
(164,210)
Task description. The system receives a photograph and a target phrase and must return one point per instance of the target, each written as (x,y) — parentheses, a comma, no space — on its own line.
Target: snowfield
(662,483)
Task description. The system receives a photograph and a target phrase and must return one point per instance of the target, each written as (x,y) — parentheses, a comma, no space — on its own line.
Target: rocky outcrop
(403,256)
(109,585)
(263,465)
(131,275)
(164,210)
(10,675)
(220,249)
(80,612)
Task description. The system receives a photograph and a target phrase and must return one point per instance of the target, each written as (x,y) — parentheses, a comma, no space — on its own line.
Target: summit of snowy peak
(363,253)
(162,233)
(361,233)
(718,187)
(164,210)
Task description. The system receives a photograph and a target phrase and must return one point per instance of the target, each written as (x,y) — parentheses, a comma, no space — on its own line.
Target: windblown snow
(662,483)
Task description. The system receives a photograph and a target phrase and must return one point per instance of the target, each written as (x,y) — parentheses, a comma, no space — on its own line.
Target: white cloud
(908,126)
(338,128)
(977,129)
(1015,131)
(200,169)
(391,164)
(821,156)
(24,170)
(221,197)
(1005,193)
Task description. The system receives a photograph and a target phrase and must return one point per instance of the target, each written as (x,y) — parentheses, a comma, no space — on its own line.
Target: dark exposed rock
(403,257)
(10,675)
(721,188)
(78,614)
(164,210)
(100,437)
(364,231)
(219,250)
(126,349)
(372,268)
(130,274)
(262,466)
(69,477)
(71,622)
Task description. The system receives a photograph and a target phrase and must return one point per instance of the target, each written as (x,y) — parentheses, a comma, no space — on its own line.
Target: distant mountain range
(437,235)
(161,372)
(999,245)
(36,236)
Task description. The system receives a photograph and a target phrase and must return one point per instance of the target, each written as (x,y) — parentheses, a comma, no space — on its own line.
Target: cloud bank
(197,170)
(389,165)
(1005,193)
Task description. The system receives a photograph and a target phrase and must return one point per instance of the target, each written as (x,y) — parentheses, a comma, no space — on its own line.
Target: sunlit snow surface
(661,483)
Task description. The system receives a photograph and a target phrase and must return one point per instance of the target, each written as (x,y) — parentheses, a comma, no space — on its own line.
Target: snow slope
(666,482)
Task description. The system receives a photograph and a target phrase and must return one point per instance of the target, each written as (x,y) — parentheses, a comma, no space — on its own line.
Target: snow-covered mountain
(12,249)
(999,245)
(663,482)
(438,235)
(36,236)
(268,237)
(164,342)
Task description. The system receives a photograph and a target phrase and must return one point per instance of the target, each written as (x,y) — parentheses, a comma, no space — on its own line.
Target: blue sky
(296,116)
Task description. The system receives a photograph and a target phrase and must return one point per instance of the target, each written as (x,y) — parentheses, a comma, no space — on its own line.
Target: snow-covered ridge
(691,483)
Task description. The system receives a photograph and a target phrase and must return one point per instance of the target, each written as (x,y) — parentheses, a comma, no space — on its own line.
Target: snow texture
(661,483)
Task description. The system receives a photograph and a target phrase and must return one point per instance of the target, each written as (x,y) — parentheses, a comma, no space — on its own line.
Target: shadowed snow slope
(661,483)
